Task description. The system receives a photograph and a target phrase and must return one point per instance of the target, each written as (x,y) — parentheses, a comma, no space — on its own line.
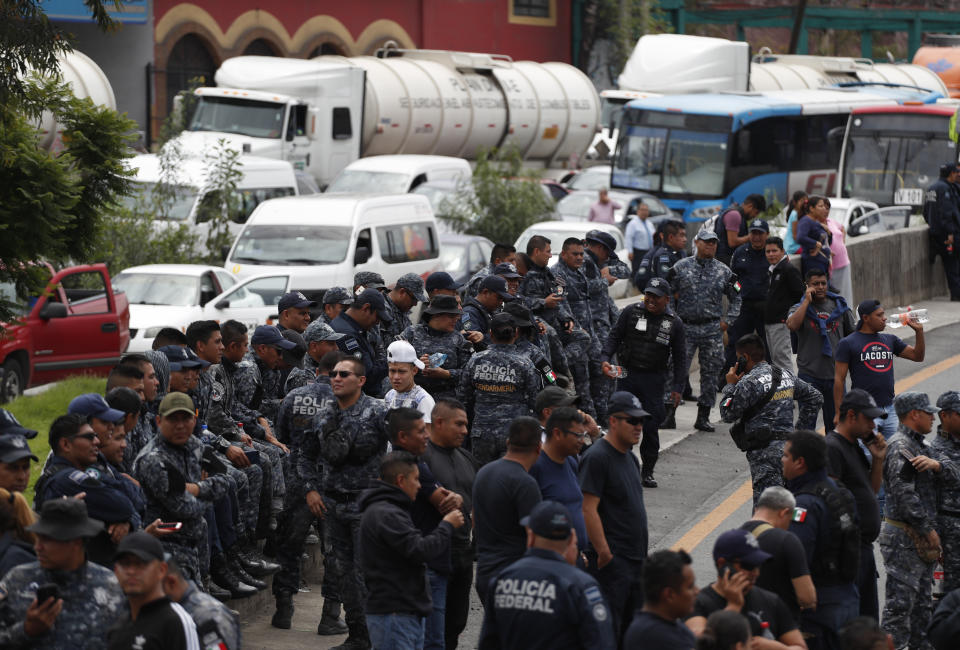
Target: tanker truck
(85,79)
(323,113)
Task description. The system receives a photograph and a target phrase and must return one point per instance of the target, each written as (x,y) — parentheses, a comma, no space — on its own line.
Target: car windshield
(174,202)
(158,289)
(576,205)
(591,180)
(241,116)
(362,181)
(672,161)
(453,257)
(876,165)
(287,245)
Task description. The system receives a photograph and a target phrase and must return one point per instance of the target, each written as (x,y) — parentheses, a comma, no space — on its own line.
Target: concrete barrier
(894,267)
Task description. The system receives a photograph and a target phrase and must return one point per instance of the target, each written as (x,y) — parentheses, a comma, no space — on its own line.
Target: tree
(51,202)
(619,23)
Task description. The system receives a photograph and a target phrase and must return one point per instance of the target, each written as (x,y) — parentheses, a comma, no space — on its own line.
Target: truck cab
(77,324)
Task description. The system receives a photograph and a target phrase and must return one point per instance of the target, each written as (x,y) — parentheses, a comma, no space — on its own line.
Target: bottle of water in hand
(899,320)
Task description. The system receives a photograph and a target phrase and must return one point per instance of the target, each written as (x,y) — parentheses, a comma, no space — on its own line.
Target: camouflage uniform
(340,485)
(473,284)
(911,500)
(776,417)
(215,622)
(92,603)
(657,264)
(426,340)
(142,433)
(335,296)
(605,313)
(160,463)
(299,377)
(496,386)
(539,283)
(700,285)
(401,319)
(298,411)
(945,446)
(259,391)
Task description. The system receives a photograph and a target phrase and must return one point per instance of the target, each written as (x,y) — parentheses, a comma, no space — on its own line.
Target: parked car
(553,189)
(397,174)
(590,178)
(862,217)
(79,324)
(557,231)
(175,295)
(463,255)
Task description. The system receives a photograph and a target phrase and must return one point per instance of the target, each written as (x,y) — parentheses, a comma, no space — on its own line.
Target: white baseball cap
(403,352)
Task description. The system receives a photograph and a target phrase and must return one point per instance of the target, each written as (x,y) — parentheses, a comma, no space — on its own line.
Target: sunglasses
(88,436)
(579,435)
(342,374)
(629,420)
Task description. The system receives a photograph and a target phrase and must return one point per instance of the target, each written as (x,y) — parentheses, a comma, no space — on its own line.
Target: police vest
(840,561)
(647,348)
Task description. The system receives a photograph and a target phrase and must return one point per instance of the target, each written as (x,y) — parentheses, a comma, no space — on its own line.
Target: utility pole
(797,25)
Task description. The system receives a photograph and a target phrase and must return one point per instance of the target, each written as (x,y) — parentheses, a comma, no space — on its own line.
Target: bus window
(695,163)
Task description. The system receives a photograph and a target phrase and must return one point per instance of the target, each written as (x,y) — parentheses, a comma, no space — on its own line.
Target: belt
(949,513)
(700,321)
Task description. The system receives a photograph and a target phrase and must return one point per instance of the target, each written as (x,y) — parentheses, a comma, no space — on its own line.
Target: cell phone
(47,591)
(741,365)
(727,571)
(869,440)
(170,525)
(253,456)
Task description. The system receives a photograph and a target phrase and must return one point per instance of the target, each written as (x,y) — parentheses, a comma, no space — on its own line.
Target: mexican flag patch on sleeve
(799,515)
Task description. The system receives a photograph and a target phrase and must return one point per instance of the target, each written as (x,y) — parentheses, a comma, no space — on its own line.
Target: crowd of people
(490,447)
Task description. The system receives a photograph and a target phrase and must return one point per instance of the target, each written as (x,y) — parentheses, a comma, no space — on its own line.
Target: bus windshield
(890,152)
(672,161)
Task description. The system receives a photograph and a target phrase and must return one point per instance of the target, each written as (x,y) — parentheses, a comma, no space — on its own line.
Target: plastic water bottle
(617,372)
(915,315)
(937,591)
(765,630)
(437,359)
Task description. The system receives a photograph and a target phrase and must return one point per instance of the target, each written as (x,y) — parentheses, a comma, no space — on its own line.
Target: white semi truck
(323,113)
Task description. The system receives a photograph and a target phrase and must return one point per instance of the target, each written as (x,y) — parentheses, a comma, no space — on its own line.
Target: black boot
(252,561)
(330,622)
(283,617)
(357,639)
(233,559)
(670,421)
(703,420)
(223,576)
(647,480)
(217,592)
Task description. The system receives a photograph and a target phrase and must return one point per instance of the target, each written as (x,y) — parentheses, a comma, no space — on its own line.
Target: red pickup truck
(78,324)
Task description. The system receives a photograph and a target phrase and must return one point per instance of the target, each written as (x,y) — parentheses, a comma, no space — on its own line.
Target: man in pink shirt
(602,210)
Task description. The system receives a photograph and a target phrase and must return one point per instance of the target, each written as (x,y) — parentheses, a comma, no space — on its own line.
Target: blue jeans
(888,427)
(434,625)
(395,631)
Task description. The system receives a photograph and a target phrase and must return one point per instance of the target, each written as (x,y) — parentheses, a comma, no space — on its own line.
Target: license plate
(908,196)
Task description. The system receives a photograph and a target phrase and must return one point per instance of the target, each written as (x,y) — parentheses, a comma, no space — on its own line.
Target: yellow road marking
(693,537)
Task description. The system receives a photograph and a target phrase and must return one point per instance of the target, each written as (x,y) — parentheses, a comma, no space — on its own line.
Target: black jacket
(14,552)
(786,290)
(393,552)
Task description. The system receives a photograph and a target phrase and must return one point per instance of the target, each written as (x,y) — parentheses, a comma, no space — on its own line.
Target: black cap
(502,319)
(496,284)
(549,519)
(65,519)
(443,304)
(627,403)
(294,300)
(14,448)
(947,169)
(861,401)
(867,307)
(506,270)
(759,225)
(605,239)
(179,359)
(375,299)
(271,335)
(552,396)
(441,280)
(143,545)
(10,424)
(658,287)
(742,545)
(522,315)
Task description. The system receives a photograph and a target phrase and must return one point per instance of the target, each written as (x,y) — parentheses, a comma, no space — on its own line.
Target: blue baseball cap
(739,545)
(497,285)
(441,280)
(94,405)
(549,519)
(180,358)
(10,425)
(270,335)
(624,402)
(294,300)
(14,448)
(375,299)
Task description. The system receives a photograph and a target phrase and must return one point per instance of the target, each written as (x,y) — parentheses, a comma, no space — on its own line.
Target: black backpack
(839,563)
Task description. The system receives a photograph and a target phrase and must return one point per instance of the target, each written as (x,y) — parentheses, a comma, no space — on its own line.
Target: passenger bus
(701,152)
(891,154)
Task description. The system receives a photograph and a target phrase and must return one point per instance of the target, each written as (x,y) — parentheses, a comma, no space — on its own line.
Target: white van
(261,179)
(397,174)
(323,240)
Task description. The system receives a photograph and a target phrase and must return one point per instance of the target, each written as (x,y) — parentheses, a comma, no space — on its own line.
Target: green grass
(39,411)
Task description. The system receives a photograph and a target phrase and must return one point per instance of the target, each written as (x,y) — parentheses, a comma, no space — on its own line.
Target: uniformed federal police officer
(947,445)
(700,283)
(660,259)
(216,624)
(320,339)
(496,386)
(909,521)
(436,337)
(479,309)
(407,292)
(645,335)
(335,300)
(357,322)
(529,342)
(749,262)
(295,421)
(338,460)
(499,254)
(942,213)
(88,598)
(765,410)
(541,600)
(294,311)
